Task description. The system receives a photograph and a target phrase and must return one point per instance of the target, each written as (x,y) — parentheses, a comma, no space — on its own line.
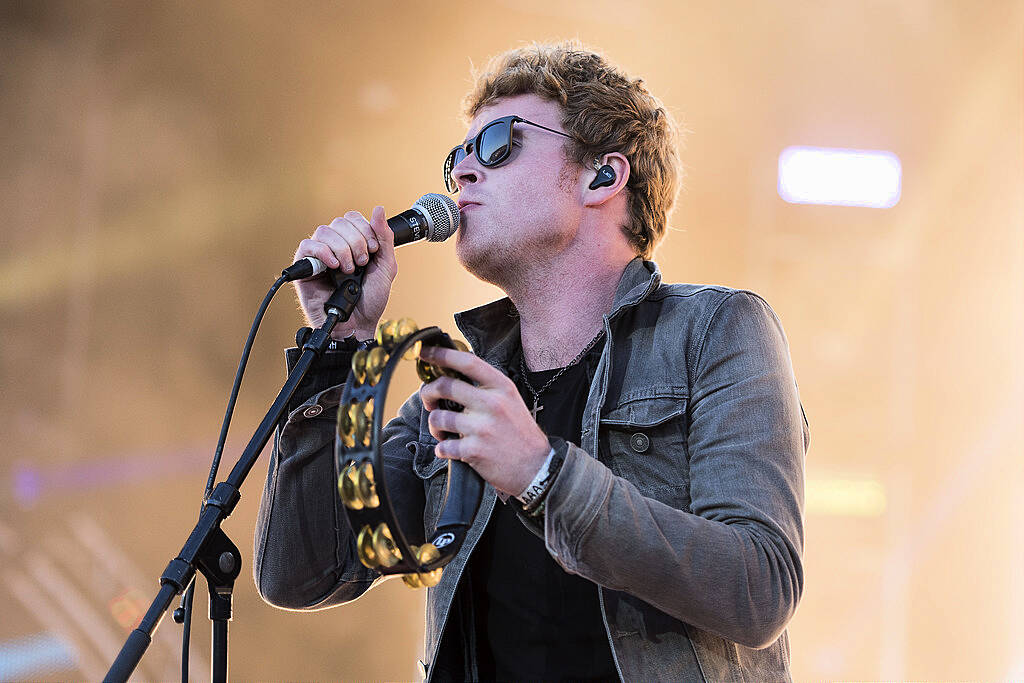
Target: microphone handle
(408,226)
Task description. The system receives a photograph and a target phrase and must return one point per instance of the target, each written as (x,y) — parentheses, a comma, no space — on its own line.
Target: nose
(466,171)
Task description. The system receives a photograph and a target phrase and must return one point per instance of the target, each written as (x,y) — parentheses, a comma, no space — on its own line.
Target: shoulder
(701,302)
(700,294)
(699,312)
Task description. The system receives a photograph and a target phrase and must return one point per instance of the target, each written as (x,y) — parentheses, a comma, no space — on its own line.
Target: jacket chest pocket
(643,440)
(434,473)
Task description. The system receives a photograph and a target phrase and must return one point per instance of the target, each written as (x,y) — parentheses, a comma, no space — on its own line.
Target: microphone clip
(348,289)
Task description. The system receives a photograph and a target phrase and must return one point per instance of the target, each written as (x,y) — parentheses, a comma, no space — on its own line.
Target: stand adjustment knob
(226,561)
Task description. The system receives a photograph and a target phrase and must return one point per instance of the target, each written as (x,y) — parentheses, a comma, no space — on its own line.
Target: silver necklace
(537,407)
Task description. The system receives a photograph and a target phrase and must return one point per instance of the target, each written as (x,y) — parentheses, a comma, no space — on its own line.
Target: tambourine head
(381,542)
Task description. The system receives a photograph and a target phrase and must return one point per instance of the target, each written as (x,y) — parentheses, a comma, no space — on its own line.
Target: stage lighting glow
(35,657)
(845,497)
(31,482)
(844,177)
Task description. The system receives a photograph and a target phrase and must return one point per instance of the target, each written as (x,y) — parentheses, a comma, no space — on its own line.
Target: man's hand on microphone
(349,241)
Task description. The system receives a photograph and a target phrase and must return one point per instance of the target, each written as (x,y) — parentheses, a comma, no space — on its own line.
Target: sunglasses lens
(494,143)
(451,161)
(492,147)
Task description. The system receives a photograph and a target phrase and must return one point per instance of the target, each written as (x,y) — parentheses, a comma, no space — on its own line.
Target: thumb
(385,236)
(385,256)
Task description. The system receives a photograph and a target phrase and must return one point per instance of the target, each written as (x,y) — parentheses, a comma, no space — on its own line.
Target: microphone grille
(442,214)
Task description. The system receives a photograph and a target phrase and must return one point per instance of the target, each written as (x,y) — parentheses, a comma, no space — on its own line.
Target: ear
(608,178)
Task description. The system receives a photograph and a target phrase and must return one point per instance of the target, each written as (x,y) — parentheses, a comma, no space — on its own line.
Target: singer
(643,443)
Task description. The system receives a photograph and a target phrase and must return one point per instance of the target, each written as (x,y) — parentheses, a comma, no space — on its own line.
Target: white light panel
(844,177)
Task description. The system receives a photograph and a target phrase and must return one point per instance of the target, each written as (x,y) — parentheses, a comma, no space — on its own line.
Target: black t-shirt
(533,620)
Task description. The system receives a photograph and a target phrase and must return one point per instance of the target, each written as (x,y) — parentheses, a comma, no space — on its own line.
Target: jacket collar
(493,329)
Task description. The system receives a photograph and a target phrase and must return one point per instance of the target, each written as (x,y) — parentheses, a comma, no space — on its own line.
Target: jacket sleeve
(305,556)
(732,564)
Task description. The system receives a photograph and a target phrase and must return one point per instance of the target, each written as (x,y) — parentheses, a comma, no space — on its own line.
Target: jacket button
(640,442)
(422,668)
(313,410)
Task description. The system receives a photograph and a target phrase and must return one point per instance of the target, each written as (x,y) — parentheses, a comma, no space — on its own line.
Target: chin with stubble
(501,261)
(491,260)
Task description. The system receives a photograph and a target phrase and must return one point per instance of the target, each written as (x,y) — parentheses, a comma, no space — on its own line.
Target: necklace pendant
(536,409)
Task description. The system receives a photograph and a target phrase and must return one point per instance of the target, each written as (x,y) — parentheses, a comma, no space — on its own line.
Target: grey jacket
(683,503)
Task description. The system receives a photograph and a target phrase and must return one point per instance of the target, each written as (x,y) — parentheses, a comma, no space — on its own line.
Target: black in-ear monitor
(605,177)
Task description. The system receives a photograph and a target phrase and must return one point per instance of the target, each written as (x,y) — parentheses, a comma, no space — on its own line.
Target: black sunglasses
(492,146)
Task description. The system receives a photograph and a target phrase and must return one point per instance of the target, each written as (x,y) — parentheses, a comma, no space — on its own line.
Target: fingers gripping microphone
(434,217)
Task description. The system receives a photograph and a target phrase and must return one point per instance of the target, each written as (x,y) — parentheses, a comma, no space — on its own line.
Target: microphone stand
(208,548)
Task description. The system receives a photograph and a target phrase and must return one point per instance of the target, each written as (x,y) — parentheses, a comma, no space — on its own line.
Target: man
(643,443)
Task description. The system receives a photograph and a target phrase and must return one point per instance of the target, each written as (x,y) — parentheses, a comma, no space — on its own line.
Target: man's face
(527,208)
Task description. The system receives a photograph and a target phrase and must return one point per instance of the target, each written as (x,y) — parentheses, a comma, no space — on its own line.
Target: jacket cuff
(576,497)
(331,369)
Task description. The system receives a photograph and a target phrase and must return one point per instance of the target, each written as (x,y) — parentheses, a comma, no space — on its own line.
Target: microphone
(434,217)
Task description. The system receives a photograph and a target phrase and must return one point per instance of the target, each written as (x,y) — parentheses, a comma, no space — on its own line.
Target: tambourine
(359,466)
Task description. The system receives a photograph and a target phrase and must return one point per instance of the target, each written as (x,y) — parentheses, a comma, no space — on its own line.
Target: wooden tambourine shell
(359,467)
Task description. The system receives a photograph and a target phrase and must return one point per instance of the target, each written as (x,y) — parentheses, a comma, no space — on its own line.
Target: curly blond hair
(605,111)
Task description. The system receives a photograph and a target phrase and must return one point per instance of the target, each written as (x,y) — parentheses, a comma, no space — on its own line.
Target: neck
(561,304)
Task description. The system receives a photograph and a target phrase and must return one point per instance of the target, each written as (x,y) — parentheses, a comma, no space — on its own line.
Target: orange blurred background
(162,160)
